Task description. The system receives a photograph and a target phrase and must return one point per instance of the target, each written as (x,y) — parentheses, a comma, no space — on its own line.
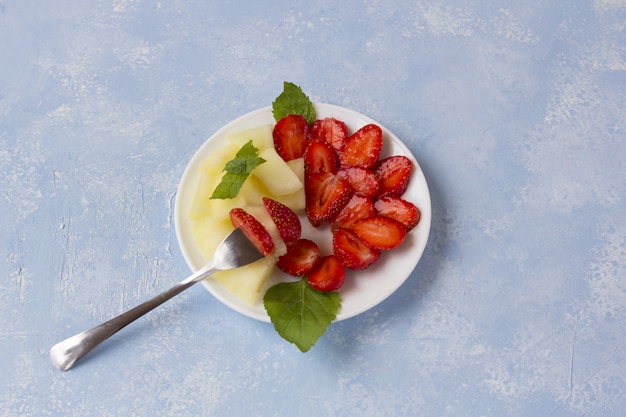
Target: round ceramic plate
(362,290)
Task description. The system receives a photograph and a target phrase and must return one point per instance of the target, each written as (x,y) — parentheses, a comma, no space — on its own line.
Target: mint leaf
(237,170)
(301,314)
(293,101)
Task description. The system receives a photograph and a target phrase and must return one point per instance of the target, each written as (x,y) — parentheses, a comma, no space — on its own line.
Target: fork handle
(66,353)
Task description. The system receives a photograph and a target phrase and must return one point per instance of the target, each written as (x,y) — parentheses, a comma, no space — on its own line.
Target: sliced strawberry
(291,136)
(398,209)
(379,232)
(357,208)
(362,148)
(302,255)
(330,130)
(253,229)
(320,157)
(285,219)
(362,180)
(393,175)
(326,194)
(328,274)
(351,250)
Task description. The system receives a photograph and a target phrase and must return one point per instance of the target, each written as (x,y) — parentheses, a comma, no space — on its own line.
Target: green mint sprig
(301,314)
(293,101)
(237,170)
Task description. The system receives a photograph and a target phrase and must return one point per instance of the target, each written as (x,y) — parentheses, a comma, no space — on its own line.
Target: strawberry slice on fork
(253,229)
(285,219)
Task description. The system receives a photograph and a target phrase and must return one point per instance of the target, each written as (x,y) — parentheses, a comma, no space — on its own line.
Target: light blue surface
(515,111)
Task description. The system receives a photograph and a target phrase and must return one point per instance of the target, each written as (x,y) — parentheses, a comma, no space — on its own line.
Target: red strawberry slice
(351,250)
(362,180)
(362,148)
(253,229)
(330,130)
(393,175)
(320,157)
(379,232)
(357,208)
(398,209)
(326,194)
(328,274)
(291,136)
(302,255)
(285,219)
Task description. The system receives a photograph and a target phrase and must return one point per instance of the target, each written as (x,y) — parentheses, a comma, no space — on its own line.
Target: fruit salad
(272,180)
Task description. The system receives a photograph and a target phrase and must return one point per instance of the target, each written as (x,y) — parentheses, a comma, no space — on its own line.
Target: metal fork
(234,251)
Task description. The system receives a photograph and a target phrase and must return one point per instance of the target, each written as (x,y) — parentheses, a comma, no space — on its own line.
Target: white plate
(362,290)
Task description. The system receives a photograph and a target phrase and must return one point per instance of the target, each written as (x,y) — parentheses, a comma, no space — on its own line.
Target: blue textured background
(515,111)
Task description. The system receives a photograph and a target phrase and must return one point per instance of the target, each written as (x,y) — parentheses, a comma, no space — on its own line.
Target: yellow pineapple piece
(209,233)
(219,209)
(295,201)
(215,163)
(201,201)
(261,137)
(203,205)
(297,166)
(252,191)
(276,175)
(247,281)
(211,172)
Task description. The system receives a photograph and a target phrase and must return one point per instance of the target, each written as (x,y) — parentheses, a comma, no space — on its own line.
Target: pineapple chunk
(276,175)
(211,172)
(247,281)
(203,205)
(295,201)
(253,191)
(209,233)
(201,198)
(215,163)
(297,166)
(219,209)
(261,137)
